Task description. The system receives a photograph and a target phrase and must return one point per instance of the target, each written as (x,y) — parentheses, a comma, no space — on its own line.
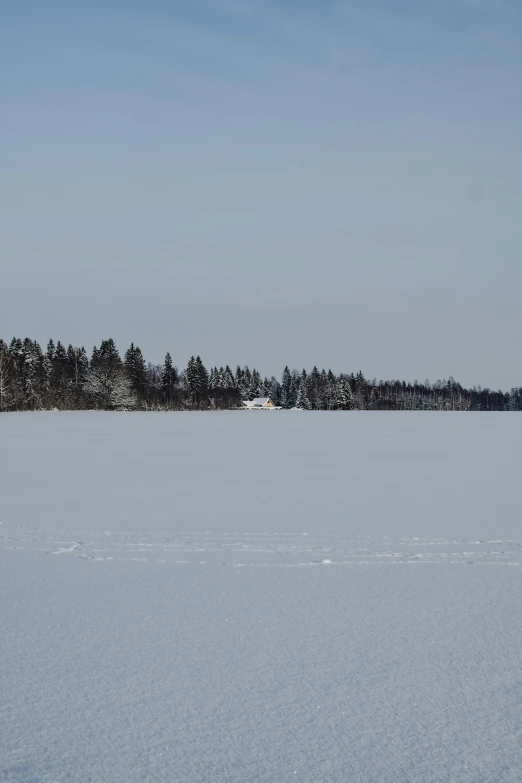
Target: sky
(280,182)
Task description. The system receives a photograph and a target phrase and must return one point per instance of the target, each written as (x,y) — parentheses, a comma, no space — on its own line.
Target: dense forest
(68,379)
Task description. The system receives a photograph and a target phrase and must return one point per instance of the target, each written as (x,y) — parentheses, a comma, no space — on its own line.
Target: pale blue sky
(293,181)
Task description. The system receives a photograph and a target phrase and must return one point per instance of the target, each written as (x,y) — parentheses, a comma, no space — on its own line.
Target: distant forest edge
(67,379)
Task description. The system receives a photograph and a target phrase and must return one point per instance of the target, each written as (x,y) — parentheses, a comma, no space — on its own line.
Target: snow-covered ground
(227,597)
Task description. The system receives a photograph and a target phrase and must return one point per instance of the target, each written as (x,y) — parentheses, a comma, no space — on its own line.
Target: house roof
(257,403)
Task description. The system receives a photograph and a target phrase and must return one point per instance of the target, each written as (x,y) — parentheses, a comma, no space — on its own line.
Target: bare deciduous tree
(109,388)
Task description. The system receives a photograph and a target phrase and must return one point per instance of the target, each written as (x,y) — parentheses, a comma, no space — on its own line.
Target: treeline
(68,379)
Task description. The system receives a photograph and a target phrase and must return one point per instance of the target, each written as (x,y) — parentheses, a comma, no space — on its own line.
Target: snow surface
(222,597)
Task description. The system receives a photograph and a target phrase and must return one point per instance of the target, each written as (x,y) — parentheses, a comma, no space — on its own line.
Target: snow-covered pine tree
(246,384)
(29,366)
(514,402)
(190,378)
(47,372)
(106,383)
(372,400)
(7,378)
(136,370)
(168,381)
(197,380)
(314,389)
(344,397)
(59,375)
(228,378)
(288,389)
(16,351)
(361,392)
(275,391)
(50,349)
(330,391)
(108,354)
(286,381)
(77,368)
(303,401)
(201,381)
(255,385)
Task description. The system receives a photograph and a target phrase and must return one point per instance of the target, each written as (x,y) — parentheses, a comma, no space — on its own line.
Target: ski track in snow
(240,550)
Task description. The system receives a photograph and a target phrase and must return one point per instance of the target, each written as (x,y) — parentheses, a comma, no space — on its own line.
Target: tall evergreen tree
(330,395)
(255,385)
(239,379)
(288,389)
(275,391)
(7,379)
(77,368)
(344,397)
(168,380)
(228,378)
(246,384)
(201,378)
(50,350)
(107,355)
(303,401)
(197,381)
(136,370)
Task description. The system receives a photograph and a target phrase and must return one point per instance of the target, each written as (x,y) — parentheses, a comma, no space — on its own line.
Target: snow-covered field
(238,597)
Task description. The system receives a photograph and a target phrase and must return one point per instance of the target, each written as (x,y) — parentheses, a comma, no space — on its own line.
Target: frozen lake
(260,596)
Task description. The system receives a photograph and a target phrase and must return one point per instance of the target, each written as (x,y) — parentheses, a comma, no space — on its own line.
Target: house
(259,402)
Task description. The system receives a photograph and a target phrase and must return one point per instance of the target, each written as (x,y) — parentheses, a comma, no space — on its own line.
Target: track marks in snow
(241,550)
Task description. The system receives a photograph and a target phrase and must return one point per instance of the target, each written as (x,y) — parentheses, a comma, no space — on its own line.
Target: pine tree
(314,389)
(16,351)
(50,350)
(197,380)
(267,388)
(59,375)
(47,372)
(107,384)
(330,391)
(255,385)
(303,401)
(275,391)
(239,379)
(136,370)
(201,376)
(7,378)
(29,374)
(514,402)
(372,400)
(288,389)
(344,398)
(168,380)
(228,378)
(190,377)
(246,384)
(361,393)
(107,354)
(77,368)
